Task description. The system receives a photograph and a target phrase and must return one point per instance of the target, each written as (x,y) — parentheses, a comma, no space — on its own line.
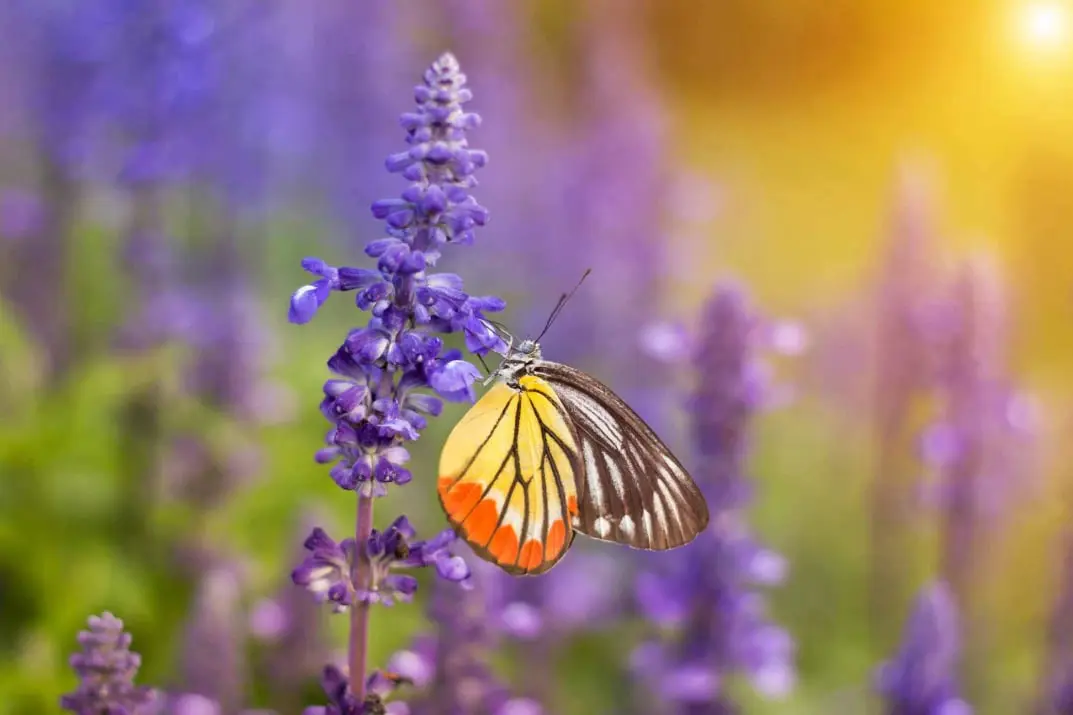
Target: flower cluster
(921,679)
(106,667)
(327,570)
(375,403)
(707,587)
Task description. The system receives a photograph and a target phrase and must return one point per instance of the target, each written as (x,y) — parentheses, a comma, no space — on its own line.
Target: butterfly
(549,452)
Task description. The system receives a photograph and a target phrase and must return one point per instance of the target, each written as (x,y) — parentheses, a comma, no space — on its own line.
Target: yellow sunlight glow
(1045,24)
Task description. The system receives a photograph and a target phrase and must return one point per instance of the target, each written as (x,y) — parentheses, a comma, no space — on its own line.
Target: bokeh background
(889,183)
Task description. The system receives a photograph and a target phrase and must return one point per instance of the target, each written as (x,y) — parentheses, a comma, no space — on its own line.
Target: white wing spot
(661,512)
(646,524)
(592,475)
(596,417)
(602,526)
(671,503)
(671,481)
(627,526)
(616,476)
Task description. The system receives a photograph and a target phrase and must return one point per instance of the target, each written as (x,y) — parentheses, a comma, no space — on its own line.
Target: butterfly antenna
(561,303)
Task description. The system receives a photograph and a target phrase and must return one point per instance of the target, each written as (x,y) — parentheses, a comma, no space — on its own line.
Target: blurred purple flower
(293,638)
(350,118)
(922,678)
(106,668)
(451,666)
(22,215)
(192,704)
(1056,689)
(214,650)
(610,176)
(907,311)
(979,460)
(706,588)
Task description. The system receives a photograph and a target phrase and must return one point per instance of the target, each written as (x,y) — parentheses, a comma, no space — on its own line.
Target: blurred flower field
(831,267)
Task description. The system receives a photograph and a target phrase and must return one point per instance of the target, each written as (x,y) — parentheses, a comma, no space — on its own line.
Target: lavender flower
(921,679)
(379,399)
(1056,696)
(905,322)
(371,41)
(290,628)
(706,588)
(213,662)
(613,177)
(107,668)
(22,216)
(376,405)
(978,449)
(63,49)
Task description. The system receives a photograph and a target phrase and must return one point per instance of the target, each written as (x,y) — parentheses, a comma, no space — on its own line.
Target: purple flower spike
(326,570)
(392,361)
(308,299)
(707,589)
(106,668)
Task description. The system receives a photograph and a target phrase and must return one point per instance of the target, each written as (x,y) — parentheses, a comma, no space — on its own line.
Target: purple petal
(304,304)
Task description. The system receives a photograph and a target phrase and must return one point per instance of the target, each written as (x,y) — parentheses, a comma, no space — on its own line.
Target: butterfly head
(516,361)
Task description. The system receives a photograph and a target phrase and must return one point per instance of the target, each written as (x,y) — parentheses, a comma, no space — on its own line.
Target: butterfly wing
(507,477)
(632,490)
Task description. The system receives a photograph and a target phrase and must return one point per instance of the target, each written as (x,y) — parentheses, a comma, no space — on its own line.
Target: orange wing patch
(507,477)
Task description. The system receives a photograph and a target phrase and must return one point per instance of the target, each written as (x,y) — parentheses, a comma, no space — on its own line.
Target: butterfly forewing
(507,479)
(630,488)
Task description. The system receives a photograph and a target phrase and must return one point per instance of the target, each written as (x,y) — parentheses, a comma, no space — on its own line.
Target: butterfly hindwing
(631,489)
(506,478)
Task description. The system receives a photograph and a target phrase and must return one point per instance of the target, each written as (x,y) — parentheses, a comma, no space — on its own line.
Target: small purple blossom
(106,668)
(325,572)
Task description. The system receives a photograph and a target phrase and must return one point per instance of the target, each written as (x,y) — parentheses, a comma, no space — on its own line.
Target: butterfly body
(549,452)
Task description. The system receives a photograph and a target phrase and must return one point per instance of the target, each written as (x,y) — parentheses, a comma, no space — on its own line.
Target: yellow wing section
(506,477)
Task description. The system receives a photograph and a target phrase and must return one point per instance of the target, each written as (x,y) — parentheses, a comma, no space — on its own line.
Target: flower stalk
(358,645)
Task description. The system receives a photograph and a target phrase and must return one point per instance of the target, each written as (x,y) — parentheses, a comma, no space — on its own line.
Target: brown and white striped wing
(631,489)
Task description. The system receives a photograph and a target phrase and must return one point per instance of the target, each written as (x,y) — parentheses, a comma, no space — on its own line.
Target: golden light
(1045,24)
